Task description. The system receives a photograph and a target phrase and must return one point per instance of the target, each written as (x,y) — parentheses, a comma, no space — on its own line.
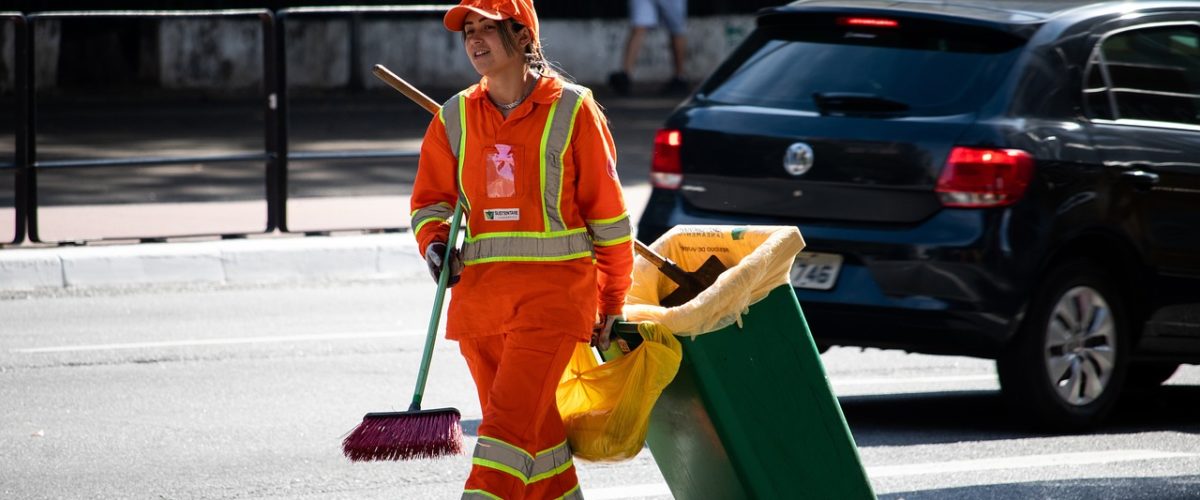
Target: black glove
(435,255)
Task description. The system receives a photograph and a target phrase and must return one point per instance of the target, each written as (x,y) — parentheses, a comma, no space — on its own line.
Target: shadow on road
(956,416)
(1125,488)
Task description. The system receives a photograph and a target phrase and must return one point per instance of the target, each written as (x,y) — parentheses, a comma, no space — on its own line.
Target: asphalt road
(245,392)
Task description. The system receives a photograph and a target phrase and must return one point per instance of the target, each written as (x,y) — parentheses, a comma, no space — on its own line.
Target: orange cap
(520,11)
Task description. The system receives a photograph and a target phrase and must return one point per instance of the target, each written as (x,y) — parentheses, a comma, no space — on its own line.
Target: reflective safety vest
(556,241)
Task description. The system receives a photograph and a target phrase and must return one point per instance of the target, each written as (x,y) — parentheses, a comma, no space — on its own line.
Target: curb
(266,260)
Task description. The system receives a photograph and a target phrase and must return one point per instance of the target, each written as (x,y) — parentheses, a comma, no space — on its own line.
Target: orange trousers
(522,451)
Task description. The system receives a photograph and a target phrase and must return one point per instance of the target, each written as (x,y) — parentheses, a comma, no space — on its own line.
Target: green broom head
(405,435)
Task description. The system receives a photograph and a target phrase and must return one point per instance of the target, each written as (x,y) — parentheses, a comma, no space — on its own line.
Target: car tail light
(869,22)
(978,177)
(666,169)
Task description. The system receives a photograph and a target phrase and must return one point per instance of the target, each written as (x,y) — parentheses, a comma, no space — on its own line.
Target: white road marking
(211,342)
(1021,462)
(911,380)
(881,471)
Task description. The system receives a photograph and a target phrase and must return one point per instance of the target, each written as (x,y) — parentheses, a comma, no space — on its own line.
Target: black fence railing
(56,183)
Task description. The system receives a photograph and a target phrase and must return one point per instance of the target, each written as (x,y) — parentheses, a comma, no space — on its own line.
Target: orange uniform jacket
(502,295)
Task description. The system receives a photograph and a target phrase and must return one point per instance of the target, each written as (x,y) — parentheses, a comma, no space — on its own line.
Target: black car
(1017,181)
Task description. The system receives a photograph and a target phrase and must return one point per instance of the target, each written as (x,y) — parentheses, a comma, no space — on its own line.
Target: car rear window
(888,64)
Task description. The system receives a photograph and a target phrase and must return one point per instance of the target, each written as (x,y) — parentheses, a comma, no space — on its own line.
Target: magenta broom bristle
(405,436)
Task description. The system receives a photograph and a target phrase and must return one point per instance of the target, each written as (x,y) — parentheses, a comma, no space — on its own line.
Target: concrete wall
(210,53)
(45,38)
(425,54)
(215,54)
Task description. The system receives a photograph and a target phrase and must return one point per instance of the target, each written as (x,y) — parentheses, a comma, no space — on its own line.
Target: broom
(415,433)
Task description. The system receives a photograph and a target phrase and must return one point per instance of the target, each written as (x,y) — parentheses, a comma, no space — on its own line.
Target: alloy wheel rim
(1080,347)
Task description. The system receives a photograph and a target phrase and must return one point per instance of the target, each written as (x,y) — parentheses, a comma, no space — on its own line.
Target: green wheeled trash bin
(750,413)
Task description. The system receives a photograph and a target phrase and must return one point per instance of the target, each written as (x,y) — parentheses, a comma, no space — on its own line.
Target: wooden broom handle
(405,88)
(649,254)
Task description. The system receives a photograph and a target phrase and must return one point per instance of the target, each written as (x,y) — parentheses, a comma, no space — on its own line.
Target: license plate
(816,271)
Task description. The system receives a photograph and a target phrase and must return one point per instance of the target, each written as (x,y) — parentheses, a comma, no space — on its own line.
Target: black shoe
(620,83)
(676,86)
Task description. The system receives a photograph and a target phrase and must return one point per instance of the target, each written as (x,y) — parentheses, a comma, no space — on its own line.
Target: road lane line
(1021,462)
(210,342)
(911,380)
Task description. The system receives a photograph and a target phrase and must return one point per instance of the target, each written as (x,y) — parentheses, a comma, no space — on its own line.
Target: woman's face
(485,49)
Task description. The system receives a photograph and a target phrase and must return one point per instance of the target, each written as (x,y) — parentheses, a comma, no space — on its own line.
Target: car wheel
(1150,374)
(1067,364)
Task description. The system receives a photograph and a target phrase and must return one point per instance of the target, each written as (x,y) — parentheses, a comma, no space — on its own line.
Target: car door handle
(1140,178)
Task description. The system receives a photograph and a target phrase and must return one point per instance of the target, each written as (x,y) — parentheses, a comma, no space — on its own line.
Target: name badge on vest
(501,214)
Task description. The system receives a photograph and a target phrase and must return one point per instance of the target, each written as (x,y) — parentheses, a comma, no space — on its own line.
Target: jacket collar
(547,90)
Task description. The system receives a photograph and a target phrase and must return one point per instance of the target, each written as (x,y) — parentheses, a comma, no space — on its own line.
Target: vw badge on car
(798,159)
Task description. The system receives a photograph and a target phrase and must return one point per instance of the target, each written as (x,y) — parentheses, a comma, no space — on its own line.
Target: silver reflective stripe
(517,247)
(450,118)
(610,232)
(454,117)
(438,211)
(551,462)
(555,138)
(496,454)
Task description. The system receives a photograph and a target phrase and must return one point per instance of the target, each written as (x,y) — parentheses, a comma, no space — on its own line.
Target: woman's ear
(524,38)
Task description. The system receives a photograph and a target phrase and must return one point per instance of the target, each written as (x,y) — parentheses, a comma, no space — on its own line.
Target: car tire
(1148,374)
(1066,366)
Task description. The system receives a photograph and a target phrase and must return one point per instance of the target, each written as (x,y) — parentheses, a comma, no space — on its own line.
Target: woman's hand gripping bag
(606,407)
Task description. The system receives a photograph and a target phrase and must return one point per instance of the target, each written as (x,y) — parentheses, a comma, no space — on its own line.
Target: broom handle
(431,336)
(443,277)
(406,88)
(436,315)
(649,254)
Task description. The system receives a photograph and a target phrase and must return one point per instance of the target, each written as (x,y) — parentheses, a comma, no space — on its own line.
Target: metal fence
(96,167)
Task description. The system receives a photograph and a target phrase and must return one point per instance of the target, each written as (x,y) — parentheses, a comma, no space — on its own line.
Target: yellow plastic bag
(606,407)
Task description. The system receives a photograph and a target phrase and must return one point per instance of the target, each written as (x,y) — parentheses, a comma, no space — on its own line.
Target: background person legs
(644,15)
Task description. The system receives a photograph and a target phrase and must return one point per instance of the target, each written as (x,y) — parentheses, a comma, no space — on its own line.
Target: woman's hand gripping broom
(415,433)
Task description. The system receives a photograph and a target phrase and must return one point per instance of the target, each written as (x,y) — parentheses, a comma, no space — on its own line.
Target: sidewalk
(277,258)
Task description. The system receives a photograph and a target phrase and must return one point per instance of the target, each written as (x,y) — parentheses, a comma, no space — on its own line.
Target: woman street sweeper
(547,257)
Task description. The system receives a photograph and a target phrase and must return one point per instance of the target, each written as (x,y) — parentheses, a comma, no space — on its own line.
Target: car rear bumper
(943,286)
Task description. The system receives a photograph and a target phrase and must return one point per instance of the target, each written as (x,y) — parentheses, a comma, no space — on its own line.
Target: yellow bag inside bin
(606,407)
(758,258)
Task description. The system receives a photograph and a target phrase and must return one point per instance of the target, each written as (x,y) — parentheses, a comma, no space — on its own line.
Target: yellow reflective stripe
(580,92)
(439,211)
(422,224)
(462,146)
(556,137)
(557,258)
(609,220)
(611,233)
(542,164)
(496,454)
(617,241)
(551,473)
(457,137)
(574,494)
(480,494)
(533,247)
(515,234)
(551,462)
(492,464)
